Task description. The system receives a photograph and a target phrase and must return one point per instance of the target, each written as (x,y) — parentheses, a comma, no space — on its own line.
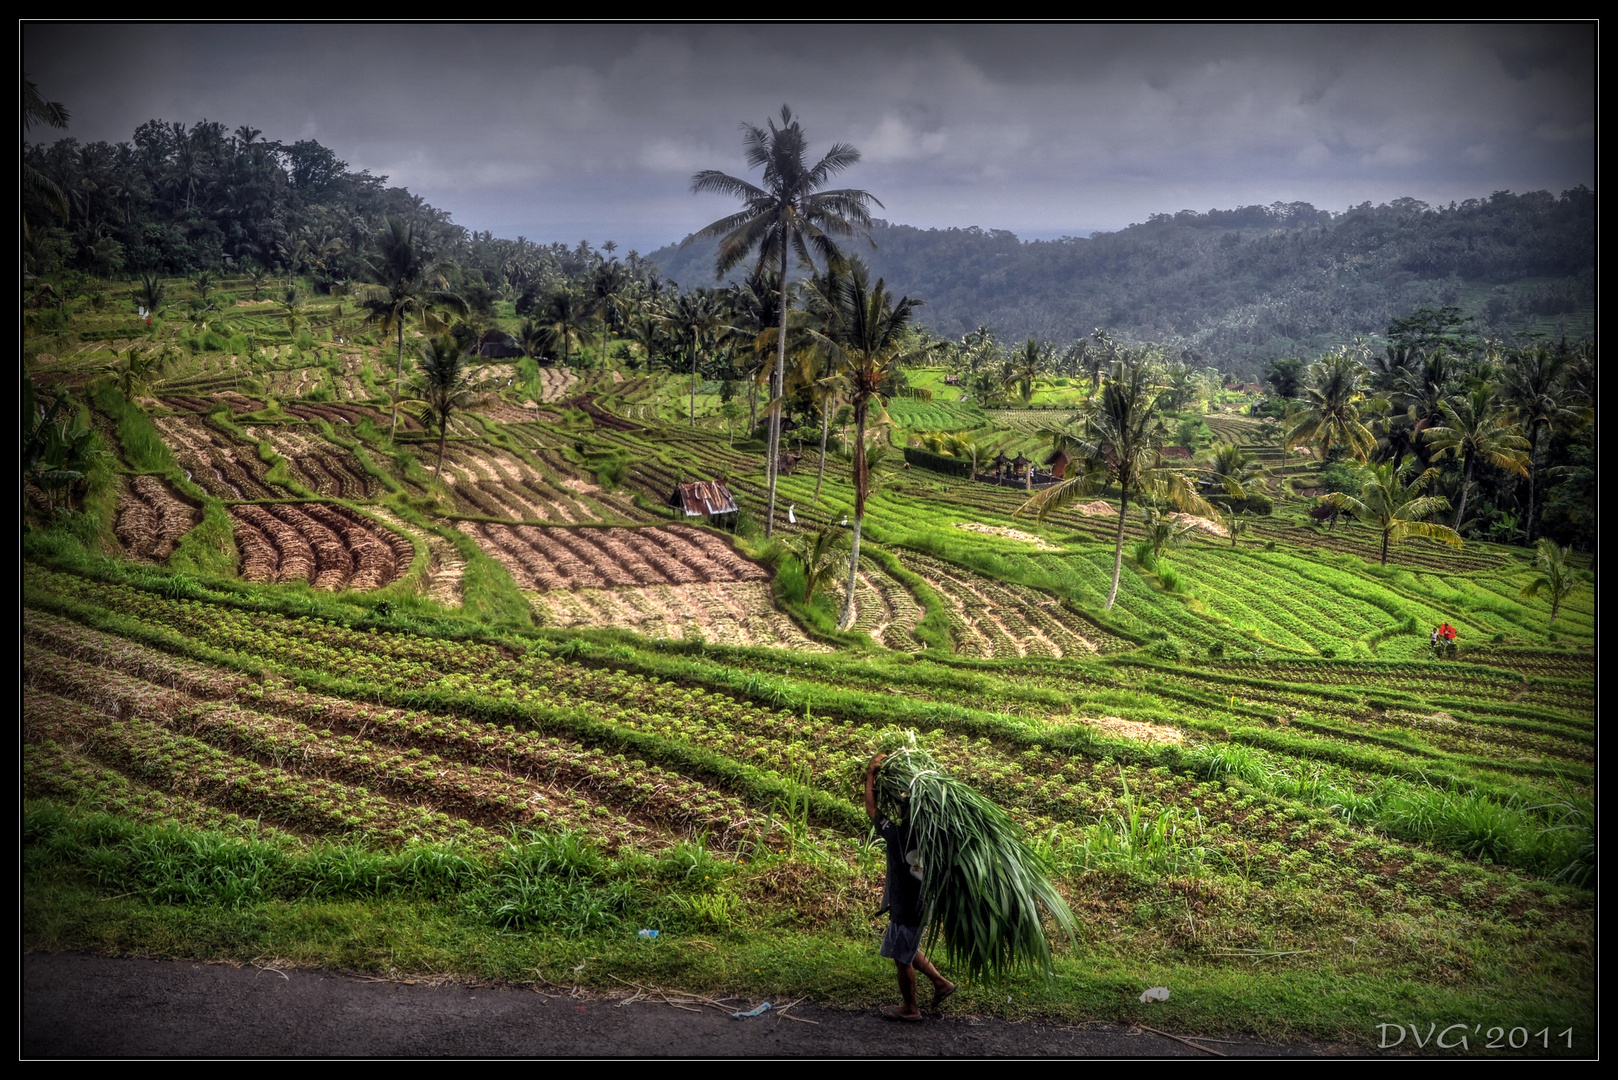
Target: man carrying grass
(902,901)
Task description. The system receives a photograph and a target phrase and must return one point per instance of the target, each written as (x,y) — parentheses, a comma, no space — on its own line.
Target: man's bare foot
(896,1012)
(942,992)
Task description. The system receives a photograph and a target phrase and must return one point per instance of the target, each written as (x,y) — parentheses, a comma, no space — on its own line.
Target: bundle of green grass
(985,892)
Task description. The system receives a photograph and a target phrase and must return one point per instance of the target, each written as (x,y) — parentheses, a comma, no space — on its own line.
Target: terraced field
(326,545)
(217,463)
(1257,759)
(151,518)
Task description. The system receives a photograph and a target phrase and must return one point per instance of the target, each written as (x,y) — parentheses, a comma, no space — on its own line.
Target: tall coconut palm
(608,287)
(53,113)
(865,331)
(1534,390)
(1395,506)
(698,318)
(790,212)
(1121,442)
(1032,360)
(443,386)
(406,281)
(562,318)
(1331,415)
(1477,426)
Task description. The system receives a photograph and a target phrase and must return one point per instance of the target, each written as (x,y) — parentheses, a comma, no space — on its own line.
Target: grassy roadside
(778,925)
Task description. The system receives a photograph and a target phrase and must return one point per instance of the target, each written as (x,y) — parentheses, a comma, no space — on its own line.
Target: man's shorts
(901,943)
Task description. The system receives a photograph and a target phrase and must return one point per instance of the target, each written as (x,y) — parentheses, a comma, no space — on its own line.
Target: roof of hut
(703,497)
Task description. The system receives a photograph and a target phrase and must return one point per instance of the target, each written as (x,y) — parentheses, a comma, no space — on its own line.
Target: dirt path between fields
(76,1005)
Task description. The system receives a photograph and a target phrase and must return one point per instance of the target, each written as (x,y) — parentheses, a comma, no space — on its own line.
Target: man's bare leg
(907,988)
(942,987)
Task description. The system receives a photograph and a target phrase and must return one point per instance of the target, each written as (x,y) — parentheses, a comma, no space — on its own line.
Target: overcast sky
(571,132)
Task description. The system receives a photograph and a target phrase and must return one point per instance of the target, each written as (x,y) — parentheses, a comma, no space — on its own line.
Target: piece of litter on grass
(648,933)
(1156,993)
(579,968)
(760,1011)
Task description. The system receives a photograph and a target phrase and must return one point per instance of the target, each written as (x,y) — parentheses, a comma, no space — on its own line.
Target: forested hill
(1244,286)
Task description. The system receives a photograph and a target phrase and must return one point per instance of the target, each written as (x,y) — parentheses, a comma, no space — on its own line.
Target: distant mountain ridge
(1240,287)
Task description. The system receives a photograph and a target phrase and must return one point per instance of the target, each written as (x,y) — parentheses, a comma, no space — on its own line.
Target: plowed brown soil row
(586,403)
(238,403)
(151,519)
(350,414)
(491,482)
(220,466)
(324,468)
(728,612)
(552,558)
(554,382)
(327,546)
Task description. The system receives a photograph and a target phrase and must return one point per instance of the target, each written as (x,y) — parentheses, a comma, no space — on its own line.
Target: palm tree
(406,281)
(257,274)
(820,553)
(1394,507)
(865,332)
(135,372)
(1162,532)
(1236,525)
(698,319)
(203,282)
(607,287)
(151,293)
(1230,471)
(1477,426)
(1534,390)
(1556,575)
(562,320)
(1331,414)
(292,310)
(1031,363)
(1121,441)
(444,385)
(53,113)
(789,213)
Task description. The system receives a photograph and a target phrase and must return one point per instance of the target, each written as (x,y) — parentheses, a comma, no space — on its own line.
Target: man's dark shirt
(902,899)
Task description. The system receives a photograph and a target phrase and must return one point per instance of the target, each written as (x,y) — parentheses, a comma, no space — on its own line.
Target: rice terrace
(405,600)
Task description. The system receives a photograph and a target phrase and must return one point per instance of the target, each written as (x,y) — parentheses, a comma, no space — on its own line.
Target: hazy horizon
(563,132)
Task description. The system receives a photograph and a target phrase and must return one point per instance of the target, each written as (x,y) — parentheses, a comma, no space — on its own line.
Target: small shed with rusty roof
(703,498)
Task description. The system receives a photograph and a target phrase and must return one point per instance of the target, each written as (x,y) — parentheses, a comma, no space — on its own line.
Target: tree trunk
(776,383)
(861,482)
(398,381)
(848,615)
(1533,468)
(443,433)
(1118,551)
(693,418)
(825,430)
(1466,487)
(752,406)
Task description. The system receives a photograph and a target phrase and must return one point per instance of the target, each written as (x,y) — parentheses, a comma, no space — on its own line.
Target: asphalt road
(76,1005)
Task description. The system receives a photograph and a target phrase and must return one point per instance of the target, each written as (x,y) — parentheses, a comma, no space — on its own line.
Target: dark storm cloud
(558,132)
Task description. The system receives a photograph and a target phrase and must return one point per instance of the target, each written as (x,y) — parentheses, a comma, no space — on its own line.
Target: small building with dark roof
(703,498)
(495,345)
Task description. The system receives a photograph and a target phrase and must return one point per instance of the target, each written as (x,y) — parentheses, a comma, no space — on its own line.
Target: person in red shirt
(1447,632)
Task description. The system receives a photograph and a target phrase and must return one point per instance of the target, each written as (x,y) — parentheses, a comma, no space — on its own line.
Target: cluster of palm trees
(993,374)
(1420,422)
